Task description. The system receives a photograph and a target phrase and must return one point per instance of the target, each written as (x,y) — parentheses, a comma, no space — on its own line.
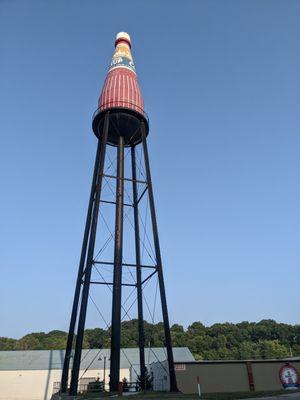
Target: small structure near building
(36,374)
(230,376)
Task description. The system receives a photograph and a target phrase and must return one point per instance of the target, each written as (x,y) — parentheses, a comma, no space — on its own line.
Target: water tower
(119,121)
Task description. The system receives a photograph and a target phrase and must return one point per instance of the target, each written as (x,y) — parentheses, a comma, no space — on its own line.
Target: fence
(97,386)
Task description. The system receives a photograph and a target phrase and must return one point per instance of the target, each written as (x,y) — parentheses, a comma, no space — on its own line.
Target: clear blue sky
(221,83)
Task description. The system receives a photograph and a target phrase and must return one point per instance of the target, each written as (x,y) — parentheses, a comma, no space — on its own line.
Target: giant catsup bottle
(121,88)
(121,97)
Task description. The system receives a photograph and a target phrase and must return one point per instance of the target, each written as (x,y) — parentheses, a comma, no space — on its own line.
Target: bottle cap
(123,36)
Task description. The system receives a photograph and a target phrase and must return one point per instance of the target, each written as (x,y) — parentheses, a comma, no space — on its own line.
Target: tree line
(244,340)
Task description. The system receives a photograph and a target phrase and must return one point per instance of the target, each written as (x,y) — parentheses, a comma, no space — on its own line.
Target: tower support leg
(117,278)
(65,372)
(89,262)
(138,272)
(168,342)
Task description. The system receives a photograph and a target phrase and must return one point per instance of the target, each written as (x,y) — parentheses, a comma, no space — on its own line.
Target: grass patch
(244,395)
(210,396)
(205,396)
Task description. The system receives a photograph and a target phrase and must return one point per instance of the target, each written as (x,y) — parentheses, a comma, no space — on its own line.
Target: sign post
(198,384)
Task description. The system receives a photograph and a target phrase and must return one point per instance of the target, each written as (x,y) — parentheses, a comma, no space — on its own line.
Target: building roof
(20,360)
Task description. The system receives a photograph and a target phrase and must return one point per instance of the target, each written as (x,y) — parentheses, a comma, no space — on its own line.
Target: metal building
(36,374)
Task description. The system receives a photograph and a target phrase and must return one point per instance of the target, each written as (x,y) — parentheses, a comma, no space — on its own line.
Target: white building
(32,374)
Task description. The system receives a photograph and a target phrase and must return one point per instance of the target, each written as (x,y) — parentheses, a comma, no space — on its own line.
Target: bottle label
(122,58)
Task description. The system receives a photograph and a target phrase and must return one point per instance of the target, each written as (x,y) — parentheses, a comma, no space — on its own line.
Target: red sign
(179,367)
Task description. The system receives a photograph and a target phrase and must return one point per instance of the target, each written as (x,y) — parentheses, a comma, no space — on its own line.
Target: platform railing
(127,105)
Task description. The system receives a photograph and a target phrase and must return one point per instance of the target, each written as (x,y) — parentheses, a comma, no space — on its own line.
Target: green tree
(247,351)
(28,342)
(196,329)
(96,338)
(272,349)
(148,381)
(7,343)
(245,340)
(178,336)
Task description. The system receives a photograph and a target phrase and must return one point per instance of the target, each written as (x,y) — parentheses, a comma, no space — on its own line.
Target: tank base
(122,122)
